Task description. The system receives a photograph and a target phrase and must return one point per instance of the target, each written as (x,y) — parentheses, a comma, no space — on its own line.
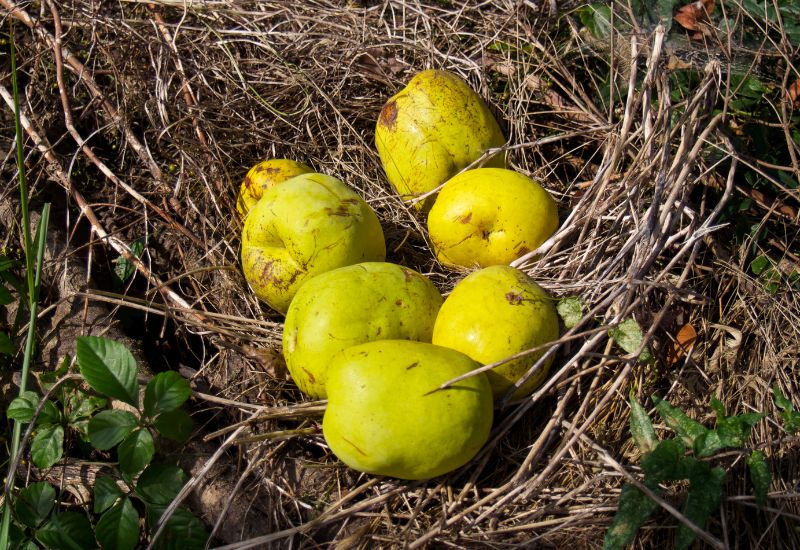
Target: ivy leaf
(109,427)
(160,483)
(68,531)
(23,407)
(665,462)
(641,427)
(571,310)
(633,510)
(106,493)
(760,476)
(6,344)
(176,425)
(34,503)
(135,452)
(109,368)
(183,530)
(47,446)
(790,418)
(686,428)
(118,528)
(165,392)
(703,498)
(628,336)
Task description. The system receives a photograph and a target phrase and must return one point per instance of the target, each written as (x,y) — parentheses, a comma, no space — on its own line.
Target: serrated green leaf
(6,344)
(628,336)
(703,498)
(135,452)
(23,407)
(34,503)
(760,476)
(570,309)
(160,483)
(665,462)
(686,428)
(118,528)
(109,368)
(47,446)
(106,493)
(641,427)
(182,532)
(107,428)
(165,392)
(67,531)
(176,425)
(633,510)
(790,418)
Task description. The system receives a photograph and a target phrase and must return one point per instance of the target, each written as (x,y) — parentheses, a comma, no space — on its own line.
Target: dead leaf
(793,93)
(695,17)
(684,341)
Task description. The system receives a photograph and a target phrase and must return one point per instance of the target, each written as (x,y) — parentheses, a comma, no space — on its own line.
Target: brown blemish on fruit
(389,114)
(408,275)
(398,302)
(522,249)
(465,219)
(485,235)
(311,377)
(378,332)
(248,182)
(514,299)
(353,445)
(412,365)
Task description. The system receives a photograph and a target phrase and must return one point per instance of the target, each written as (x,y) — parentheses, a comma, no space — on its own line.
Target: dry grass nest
(143,117)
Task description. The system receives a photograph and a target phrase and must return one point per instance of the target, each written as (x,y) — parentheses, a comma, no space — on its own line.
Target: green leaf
(34,503)
(571,310)
(641,427)
(23,407)
(666,462)
(760,476)
(686,428)
(176,425)
(49,414)
(135,452)
(703,498)
(182,532)
(118,528)
(67,531)
(106,493)
(628,335)
(109,427)
(165,392)
(109,368)
(633,510)
(790,418)
(82,406)
(160,483)
(597,18)
(6,344)
(125,268)
(5,296)
(47,446)
(731,431)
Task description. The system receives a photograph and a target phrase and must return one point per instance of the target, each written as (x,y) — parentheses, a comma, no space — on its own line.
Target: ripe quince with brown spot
(490,216)
(493,314)
(387,416)
(433,128)
(262,176)
(305,226)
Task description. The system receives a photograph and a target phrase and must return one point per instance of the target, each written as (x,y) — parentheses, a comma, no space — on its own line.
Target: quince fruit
(261,177)
(433,128)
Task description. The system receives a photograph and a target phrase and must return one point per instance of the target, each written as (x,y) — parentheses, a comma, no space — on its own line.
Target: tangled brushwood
(669,144)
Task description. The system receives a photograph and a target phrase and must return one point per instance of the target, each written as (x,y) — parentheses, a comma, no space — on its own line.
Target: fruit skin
(305,226)
(490,216)
(430,130)
(352,305)
(384,418)
(494,313)
(264,175)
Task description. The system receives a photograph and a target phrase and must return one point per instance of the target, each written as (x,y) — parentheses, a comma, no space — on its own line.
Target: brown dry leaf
(694,17)
(684,341)
(793,93)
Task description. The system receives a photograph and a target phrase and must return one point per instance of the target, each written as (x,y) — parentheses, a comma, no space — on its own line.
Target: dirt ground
(142,118)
